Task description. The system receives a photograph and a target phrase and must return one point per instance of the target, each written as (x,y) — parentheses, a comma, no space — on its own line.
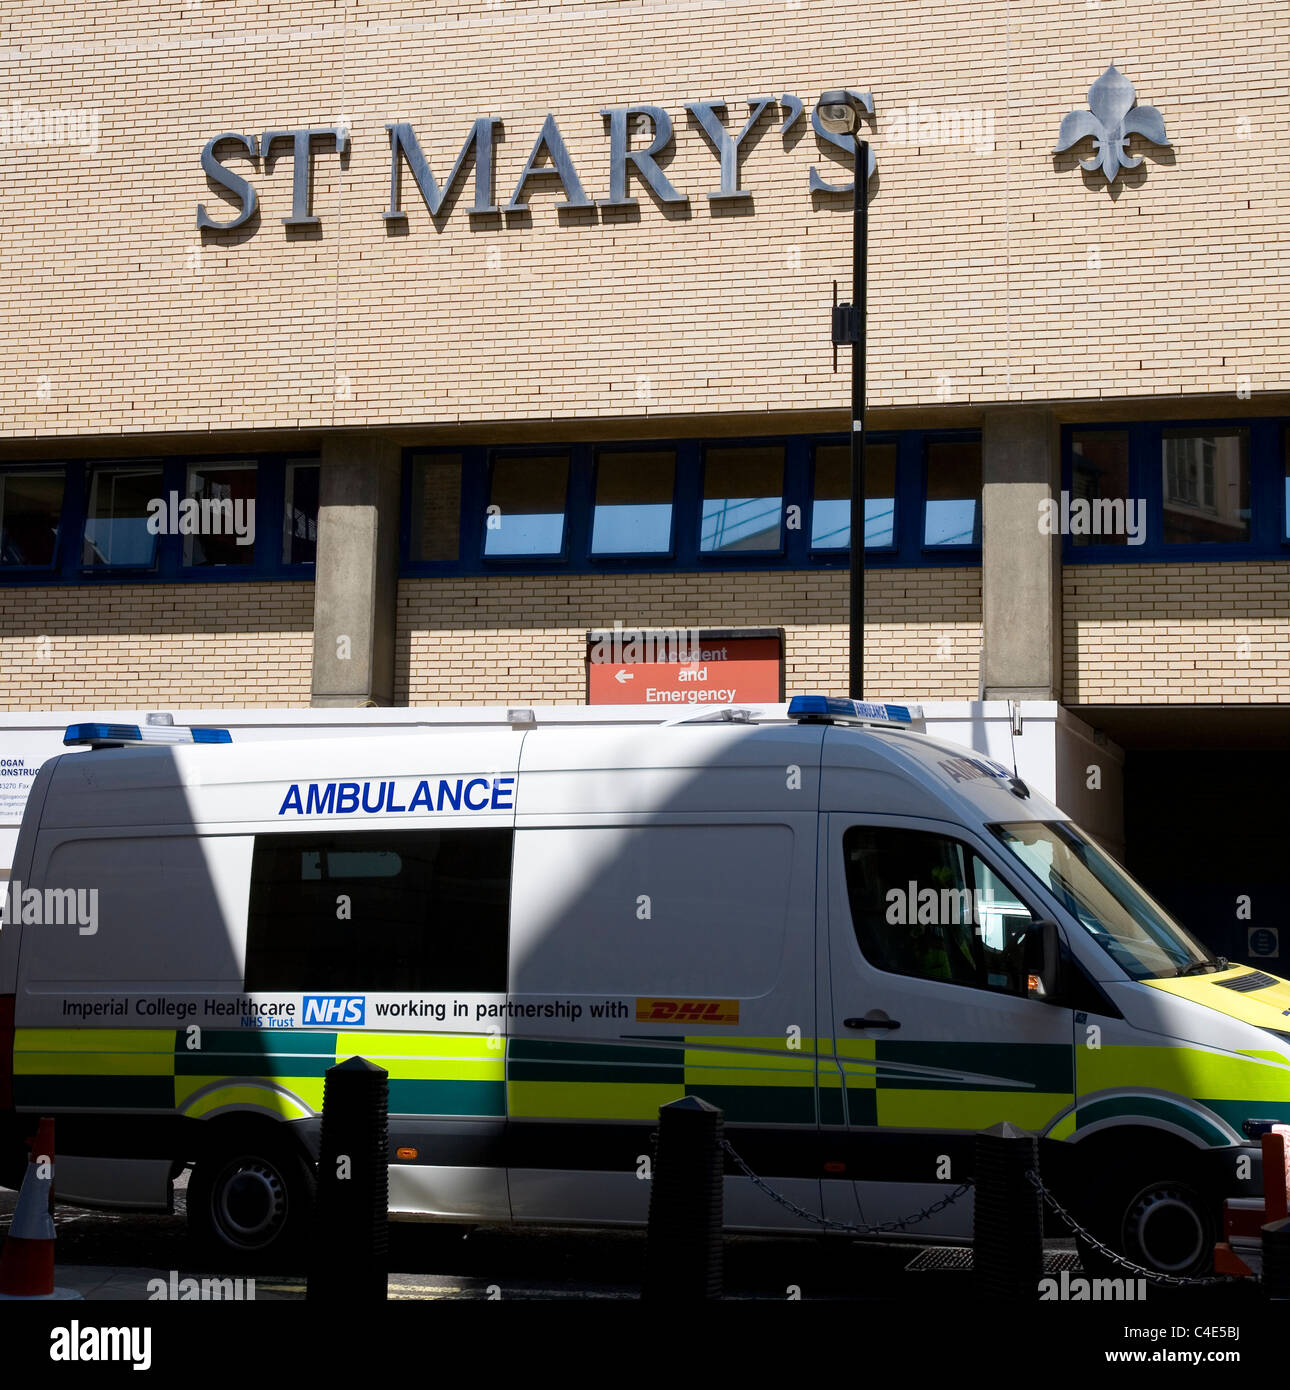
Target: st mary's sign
(636,138)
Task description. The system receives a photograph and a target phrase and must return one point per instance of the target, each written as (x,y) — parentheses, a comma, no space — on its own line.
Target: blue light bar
(98,734)
(831,709)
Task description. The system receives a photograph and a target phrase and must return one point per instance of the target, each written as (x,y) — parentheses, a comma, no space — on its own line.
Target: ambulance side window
(351,911)
(925,905)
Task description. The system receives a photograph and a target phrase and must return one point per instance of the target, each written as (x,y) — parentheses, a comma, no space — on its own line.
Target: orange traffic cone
(27,1259)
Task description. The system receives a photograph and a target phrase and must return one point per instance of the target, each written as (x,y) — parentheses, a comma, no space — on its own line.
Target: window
(300,514)
(926,905)
(1133,929)
(1285,515)
(1206,477)
(428,911)
(831,504)
(222,527)
(633,514)
(119,528)
(1100,477)
(952,511)
(526,506)
(436,507)
(31,506)
(743,500)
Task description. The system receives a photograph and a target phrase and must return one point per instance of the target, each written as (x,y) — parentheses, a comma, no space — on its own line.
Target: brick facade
(998,273)
(1176,634)
(503,639)
(181,646)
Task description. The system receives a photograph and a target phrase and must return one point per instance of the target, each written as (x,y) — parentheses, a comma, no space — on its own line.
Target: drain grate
(951,1259)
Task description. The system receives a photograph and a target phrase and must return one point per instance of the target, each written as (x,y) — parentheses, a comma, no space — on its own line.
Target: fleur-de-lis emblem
(1111,118)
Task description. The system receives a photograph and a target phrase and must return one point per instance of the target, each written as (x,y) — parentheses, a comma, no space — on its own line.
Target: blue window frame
(831,496)
(1232,488)
(527,506)
(633,508)
(117,520)
(743,500)
(952,493)
(706,518)
(31,513)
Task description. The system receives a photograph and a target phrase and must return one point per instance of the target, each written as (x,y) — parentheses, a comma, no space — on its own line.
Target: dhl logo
(687,1011)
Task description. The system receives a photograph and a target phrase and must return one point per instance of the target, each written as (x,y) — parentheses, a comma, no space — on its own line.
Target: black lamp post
(840,114)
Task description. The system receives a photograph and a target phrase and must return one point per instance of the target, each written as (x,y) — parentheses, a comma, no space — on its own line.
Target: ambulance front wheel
(249,1197)
(1166,1225)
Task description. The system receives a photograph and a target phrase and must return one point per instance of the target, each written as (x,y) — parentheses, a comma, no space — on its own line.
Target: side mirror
(1041,957)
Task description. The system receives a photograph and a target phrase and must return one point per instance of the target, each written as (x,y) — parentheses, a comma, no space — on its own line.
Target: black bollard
(1008,1215)
(1276,1260)
(686,1206)
(350,1252)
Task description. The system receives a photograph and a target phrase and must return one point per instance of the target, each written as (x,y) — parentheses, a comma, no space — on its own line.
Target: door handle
(871,1023)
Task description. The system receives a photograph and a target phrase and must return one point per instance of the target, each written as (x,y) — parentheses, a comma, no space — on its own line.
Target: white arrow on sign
(621,676)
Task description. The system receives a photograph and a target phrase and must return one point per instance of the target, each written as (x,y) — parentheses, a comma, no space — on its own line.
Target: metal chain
(885,1227)
(1117,1259)
(881,1229)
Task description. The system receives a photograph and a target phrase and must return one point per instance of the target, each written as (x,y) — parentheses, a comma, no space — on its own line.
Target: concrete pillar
(1021,573)
(357,572)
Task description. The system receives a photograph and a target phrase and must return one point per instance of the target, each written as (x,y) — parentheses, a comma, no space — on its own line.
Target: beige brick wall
(178,646)
(995,274)
(1176,634)
(501,638)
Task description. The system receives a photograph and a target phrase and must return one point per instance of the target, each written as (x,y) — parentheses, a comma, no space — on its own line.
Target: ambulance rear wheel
(249,1199)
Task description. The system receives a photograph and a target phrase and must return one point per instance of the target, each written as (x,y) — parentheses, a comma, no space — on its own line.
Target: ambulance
(861,943)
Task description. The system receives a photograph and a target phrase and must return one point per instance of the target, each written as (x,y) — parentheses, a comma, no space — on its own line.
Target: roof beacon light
(118,735)
(833,709)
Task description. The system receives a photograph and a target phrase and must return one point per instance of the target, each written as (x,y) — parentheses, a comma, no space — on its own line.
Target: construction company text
(638,136)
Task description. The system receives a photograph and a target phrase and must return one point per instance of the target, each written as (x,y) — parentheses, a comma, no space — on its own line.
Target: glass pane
(30,507)
(428,911)
(220,528)
(119,527)
(1285,447)
(952,511)
(831,509)
(743,500)
(1206,477)
(300,515)
(1100,478)
(526,506)
(924,905)
(436,507)
(633,513)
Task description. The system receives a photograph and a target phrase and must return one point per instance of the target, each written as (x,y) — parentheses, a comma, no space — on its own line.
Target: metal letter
(226,178)
(551,140)
(843,143)
(302,166)
(403,142)
(705,112)
(619,154)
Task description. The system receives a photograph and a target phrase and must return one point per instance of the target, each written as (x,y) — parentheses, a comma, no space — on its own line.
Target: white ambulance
(863,944)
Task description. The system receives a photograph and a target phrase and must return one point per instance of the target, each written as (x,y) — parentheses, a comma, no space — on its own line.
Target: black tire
(1168,1225)
(249,1199)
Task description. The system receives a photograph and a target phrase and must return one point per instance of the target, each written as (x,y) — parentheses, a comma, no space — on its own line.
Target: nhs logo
(334,1008)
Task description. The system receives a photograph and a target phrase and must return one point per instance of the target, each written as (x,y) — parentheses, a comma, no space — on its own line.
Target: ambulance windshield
(1133,930)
